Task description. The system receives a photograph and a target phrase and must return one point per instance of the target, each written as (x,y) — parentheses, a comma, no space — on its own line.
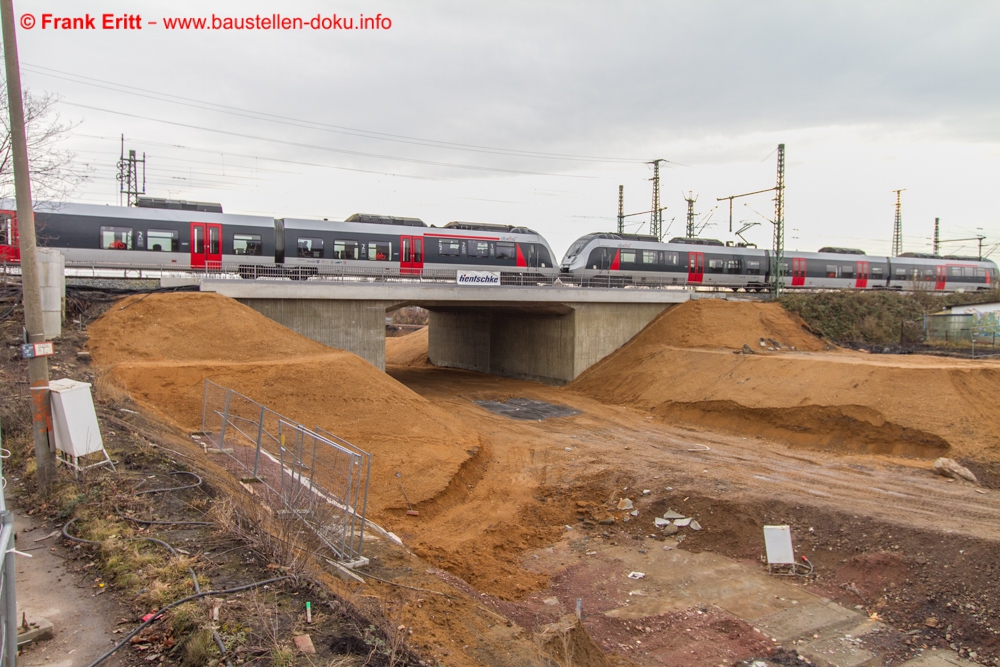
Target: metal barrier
(8,591)
(307,476)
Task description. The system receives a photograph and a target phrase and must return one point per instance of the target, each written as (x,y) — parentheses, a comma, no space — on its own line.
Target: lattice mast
(937,235)
(689,231)
(128,177)
(656,219)
(621,209)
(778,250)
(897,227)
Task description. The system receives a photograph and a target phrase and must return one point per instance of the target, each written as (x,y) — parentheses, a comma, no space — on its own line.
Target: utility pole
(778,252)
(128,177)
(689,229)
(621,209)
(897,228)
(937,234)
(38,367)
(656,221)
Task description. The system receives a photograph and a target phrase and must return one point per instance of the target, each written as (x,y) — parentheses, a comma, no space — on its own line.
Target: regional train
(185,236)
(191,236)
(631,259)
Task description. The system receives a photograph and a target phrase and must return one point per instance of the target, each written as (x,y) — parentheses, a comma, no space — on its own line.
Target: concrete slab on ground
(938,658)
(843,648)
(806,620)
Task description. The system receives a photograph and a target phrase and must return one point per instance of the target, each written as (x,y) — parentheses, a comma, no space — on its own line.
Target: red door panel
(798,272)
(411,255)
(206,246)
(942,277)
(862,275)
(696,267)
(10,249)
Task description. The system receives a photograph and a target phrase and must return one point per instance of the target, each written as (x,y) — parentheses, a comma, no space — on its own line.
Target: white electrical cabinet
(74,422)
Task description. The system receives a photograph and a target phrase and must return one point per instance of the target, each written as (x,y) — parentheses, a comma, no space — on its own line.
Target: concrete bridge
(546,334)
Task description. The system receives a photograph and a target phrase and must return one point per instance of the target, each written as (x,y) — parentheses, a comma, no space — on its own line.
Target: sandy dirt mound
(714,323)
(408,350)
(161,348)
(842,401)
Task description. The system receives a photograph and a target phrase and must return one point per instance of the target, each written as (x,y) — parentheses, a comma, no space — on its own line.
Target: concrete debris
(552,602)
(625,504)
(680,523)
(646,492)
(635,512)
(569,449)
(931,622)
(680,538)
(747,349)
(948,468)
(762,343)
(636,575)
(670,514)
(670,530)
(305,644)
(694,525)
(660,523)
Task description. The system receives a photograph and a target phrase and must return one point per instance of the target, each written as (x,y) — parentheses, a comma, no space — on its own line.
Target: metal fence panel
(310,477)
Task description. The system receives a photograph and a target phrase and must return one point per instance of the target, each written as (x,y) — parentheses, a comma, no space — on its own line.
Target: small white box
(74,422)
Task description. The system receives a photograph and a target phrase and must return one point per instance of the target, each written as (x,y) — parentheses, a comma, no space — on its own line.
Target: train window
(162,240)
(753,267)
(785,269)
(648,256)
(345,250)
(628,257)
(243,244)
(668,258)
(832,271)
(716,265)
(116,238)
(847,271)
(876,272)
(955,271)
(310,247)
(928,274)
(479,248)
(380,251)
(734,266)
(6,229)
(506,250)
(450,247)
(980,273)
(900,273)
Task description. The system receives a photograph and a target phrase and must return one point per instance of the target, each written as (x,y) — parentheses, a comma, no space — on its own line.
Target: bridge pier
(355,326)
(551,344)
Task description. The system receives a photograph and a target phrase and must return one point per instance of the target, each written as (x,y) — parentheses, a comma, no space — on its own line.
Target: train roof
(690,240)
(178,204)
(841,251)
(372,219)
(134,214)
(489,227)
(921,255)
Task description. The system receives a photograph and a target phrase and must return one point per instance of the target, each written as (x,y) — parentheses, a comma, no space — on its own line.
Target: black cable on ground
(196,596)
(175,488)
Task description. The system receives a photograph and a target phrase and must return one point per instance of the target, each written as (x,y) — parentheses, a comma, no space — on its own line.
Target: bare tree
(54,176)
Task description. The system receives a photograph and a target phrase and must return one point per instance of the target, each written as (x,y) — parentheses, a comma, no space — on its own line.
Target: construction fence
(306,476)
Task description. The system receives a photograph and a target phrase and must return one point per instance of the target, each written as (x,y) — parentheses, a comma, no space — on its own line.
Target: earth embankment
(161,348)
(688,366)
(408,350)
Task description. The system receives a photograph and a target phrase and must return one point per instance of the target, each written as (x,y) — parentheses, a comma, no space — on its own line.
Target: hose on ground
(175,488)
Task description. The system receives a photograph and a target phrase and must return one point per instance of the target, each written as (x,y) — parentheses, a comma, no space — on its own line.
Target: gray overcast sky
(867,96)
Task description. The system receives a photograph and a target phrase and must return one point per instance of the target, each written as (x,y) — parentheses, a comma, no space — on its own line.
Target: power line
(326,148)
(313,125)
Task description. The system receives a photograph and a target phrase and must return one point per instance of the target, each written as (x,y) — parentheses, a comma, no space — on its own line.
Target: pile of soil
(161,348)
(408,350)
(682,368)
(715,323)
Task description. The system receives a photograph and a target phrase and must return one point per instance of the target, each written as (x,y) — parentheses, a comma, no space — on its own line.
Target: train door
(10,250)
(696,267)
(532,255)
(411,255)
(941,272)
(862,275)
(206,245)
(798,272)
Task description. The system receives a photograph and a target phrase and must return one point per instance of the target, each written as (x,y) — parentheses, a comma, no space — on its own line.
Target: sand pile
(408,350)
(161,348)
(912,405)
(714,323)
